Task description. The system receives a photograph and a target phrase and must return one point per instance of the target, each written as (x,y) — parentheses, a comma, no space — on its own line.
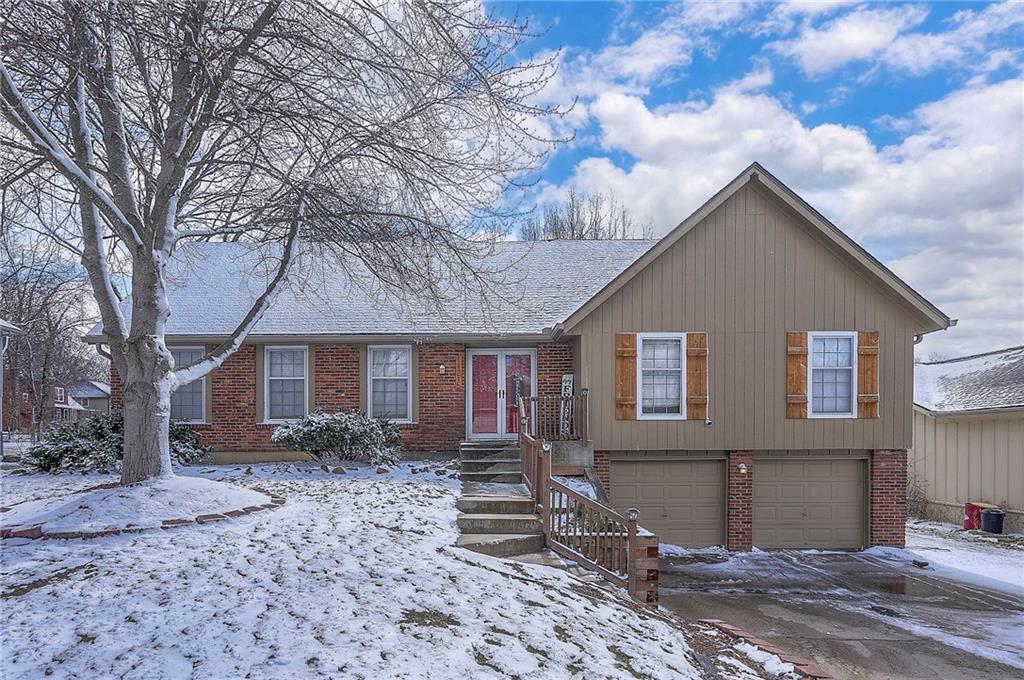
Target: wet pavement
(857,615)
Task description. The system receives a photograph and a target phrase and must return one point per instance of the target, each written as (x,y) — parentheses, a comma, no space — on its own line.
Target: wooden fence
(558,417)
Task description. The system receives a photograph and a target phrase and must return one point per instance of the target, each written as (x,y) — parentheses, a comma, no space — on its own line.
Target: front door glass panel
(485,394)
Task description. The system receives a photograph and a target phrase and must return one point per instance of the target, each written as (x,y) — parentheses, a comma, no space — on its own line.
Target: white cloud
(945,205)
(857,35)
(785,15)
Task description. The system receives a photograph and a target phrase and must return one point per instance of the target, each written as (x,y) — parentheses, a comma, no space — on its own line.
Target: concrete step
(496,465)
(504,453)
(499,477)
(499,524)
(501,545)
(496,505)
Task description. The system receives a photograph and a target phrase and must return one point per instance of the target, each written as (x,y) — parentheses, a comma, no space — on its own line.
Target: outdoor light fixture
(633,515)
(742,467)
(441,369)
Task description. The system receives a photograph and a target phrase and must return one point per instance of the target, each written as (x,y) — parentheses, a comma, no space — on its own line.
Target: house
(92,395)
(969,435)
(746,380)
(22,413)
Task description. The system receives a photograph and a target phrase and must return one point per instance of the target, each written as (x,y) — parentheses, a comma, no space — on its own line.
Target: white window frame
(370,379)
(854,390)
(58,395)
(640,338)
(201,381)
(267,349)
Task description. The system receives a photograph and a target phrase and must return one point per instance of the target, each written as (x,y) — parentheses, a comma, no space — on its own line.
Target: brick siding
(603,469)
(441,419)
(888,479)
(739,502)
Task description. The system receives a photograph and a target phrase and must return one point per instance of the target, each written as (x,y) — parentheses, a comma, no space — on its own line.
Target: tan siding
(749,272)
(969,458)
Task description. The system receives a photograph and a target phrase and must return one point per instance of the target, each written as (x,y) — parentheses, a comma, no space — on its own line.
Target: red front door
(497,378)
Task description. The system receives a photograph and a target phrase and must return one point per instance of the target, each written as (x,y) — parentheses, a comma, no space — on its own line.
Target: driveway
(857,615)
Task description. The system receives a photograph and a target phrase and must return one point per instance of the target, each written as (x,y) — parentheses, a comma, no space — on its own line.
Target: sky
(903,123)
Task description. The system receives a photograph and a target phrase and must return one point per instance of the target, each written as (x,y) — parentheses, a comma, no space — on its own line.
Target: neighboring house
(969,435)
(749,376)
(94,396)
(22,414)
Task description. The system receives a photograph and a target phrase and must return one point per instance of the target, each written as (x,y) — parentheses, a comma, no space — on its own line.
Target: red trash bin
(972,513)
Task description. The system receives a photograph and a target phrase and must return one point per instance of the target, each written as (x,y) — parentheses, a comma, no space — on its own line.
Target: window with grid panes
(831,374)
(188,401)
(390,383)
(661,376)
(286,383)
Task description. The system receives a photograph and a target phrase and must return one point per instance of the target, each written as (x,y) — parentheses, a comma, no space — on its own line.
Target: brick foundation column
(888,494)
(603,468)
(739,505)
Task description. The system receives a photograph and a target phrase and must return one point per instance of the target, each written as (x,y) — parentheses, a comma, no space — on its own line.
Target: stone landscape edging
(807,669)
(36,532)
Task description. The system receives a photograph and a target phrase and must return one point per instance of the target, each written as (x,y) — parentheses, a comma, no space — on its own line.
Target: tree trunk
(147,411)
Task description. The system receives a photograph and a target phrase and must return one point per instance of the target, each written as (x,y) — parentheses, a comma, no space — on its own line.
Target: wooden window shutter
(625,376)
(867,374)
(696,376)
(796,374)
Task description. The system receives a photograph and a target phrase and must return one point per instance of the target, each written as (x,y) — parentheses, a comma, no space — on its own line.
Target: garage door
(809,504)
(683,501)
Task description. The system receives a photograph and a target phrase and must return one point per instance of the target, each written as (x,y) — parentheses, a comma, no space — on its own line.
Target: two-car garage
(796,501)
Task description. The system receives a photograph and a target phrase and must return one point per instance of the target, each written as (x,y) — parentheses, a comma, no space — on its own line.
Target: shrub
(348,435)
(96,444)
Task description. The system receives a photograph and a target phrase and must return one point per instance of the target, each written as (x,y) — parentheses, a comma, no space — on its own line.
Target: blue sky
(901,122)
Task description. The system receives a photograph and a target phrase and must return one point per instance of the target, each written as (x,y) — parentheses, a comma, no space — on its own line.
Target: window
(831,374)
(660,378)
(188,402)
(58,394)
(286,391)
(390,389)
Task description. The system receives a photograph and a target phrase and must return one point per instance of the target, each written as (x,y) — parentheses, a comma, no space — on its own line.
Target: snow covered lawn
(355,576)
(968,557)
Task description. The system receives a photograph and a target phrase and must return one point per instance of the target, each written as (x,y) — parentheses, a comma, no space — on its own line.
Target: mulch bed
(36,532)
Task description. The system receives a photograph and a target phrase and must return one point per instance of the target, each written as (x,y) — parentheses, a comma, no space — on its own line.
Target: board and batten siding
(980,457)
(746,274)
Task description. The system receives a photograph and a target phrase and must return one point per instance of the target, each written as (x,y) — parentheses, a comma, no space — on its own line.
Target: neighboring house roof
(71,405)
(211,286)
(756,173)
(993,380)
(8,328)
(89,389)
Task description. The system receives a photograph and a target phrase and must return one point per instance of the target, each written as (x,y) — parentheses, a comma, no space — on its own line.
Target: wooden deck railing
(559,417)
(585,531)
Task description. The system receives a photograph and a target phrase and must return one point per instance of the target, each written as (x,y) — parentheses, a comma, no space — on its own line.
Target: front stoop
(497,516)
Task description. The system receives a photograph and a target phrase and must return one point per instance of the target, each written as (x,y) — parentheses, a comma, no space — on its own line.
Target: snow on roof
(71,405)
(212,285)
(981,381)
(90,389)
(8,328)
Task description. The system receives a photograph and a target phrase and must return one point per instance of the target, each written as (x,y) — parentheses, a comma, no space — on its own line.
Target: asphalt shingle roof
(981,381)
(212,285)
(89,389)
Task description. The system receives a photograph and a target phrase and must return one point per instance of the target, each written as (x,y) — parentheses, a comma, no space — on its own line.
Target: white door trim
(500,353)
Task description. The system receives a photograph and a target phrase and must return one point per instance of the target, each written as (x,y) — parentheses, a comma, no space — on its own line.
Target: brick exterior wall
(739,502)
(888,498)
(441,418)
(603,468)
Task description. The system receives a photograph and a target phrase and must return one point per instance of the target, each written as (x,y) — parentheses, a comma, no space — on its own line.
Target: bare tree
(382,131)
(48,297)
(581,216)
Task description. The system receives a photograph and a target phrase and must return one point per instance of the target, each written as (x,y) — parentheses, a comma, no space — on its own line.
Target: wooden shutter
(867,374)
(625,376)
(696,376)
(796,374)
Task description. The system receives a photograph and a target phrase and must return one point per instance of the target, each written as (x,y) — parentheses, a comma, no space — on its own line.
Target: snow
(578,484)
(771,663)
(140,505)
(356,576)
(992,380)
(961,558)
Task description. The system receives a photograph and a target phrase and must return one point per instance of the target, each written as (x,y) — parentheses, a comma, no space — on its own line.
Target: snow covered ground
(355,576)
(968,557)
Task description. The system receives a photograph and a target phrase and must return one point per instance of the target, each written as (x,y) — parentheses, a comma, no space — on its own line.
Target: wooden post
(642,562)
(544,488)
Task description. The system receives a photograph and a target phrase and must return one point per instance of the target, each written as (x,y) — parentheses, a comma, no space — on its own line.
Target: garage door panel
(809,504)
(683,501)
